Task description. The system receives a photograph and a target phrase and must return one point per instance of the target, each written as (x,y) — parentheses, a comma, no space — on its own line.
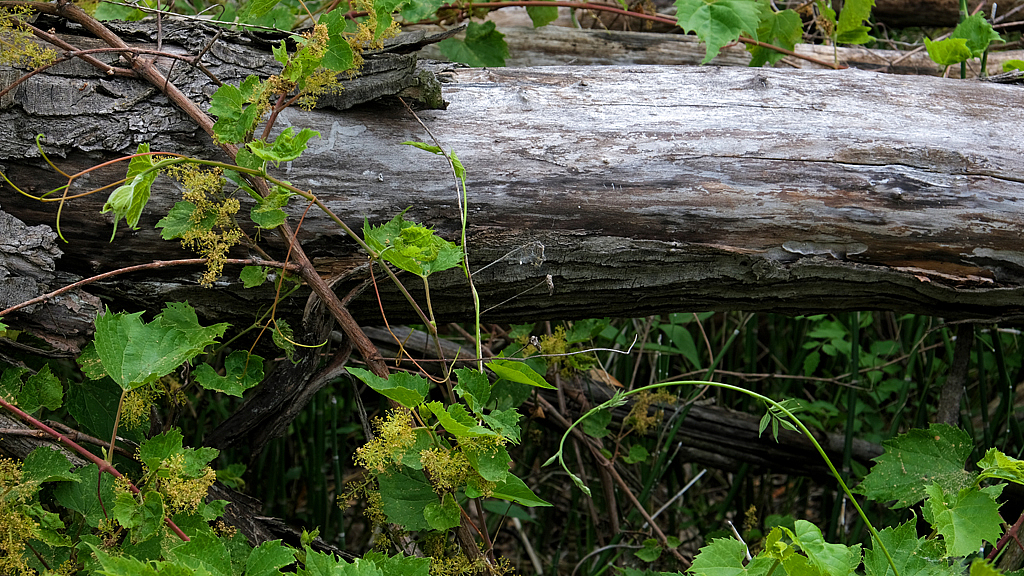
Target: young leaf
(596,424)
(504,422)
(442,515)
(651,550)
(977,32)
(473,388)
(637,453)
(542,15)
(906,550)
(253,276)
(417,10)
(518,372)
(82,497)
(286,147)
(144,519)
(483,46)
(783,29)
(242,371)
(255,9)
(235,117)
(718,22)
(827,558)
(965,520)
(724,557)
(128,200)
(412,247)
(490,462)
(457,421)
(850,28)
(267,213)
(949,51)
(917,459)
(995,464)
(122,565)
(407,389)
(515,490)
(179,221)
(338,56)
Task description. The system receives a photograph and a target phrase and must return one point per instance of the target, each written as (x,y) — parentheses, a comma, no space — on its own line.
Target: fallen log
(618,191)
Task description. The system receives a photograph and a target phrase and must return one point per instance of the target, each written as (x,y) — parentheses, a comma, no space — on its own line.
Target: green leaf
(442,515)
(515,490)
(683,342)
(504,422)
(110,11)
(267,213)
(457,421)
(917,459)
(93,405)
(483,46)
(965,520)
(831,559)
(718,22)
(81,496)
(236,118)
(850,27)
(143,520)
(949,51)
(284,338)
(412,247)
(423,146)
(204,552)
(983,567)
(268,558)
(128,200)
(596,424)
(978,33)
(491,462)
(253,276)
(906,550)
(518,372)
(399,565)
(651,550)
(724,557)
(783,29)
(404,496)
(42,389)
(384,9)
(179,221)
(637,453)
(338,56)
(135,353)
(409,390)
(242,371)
(1013,65)
(420,9)
(46,464)
(286,147)
(122,565)
(255,9)
(995,464)
(473,388)
(542,15)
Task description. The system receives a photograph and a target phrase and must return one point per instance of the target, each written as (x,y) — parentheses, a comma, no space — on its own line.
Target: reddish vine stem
(101,463)
(149,266)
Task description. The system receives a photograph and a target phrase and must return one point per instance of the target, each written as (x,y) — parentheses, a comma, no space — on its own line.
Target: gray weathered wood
(634,189)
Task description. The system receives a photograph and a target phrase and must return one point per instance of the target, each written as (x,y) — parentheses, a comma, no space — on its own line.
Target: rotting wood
(635,189)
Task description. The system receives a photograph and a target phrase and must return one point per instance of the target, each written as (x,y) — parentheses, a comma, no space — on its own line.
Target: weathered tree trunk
(616,191)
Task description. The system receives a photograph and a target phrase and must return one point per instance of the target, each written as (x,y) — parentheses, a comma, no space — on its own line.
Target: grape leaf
(724,557)
(179,221)
(490,462)
(995,464)
(286,147)
(515,490)
(907,551)
(917,459)
(850,28)
(783,29)
(267,558)
(542,15)
(965,520)
(338,56)
(412,247)
(242,371)
(135,353)
(949,51)
(128,200)
(442,515)
(253,276)
(473,388)
(235,117)
(420,9)
(407,389)
(518,372)
(718,22)
(46,464)
(404,496)
(483,46)
(978,33)
(255,9)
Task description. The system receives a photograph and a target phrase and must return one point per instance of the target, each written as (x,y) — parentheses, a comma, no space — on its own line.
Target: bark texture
(593,191)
